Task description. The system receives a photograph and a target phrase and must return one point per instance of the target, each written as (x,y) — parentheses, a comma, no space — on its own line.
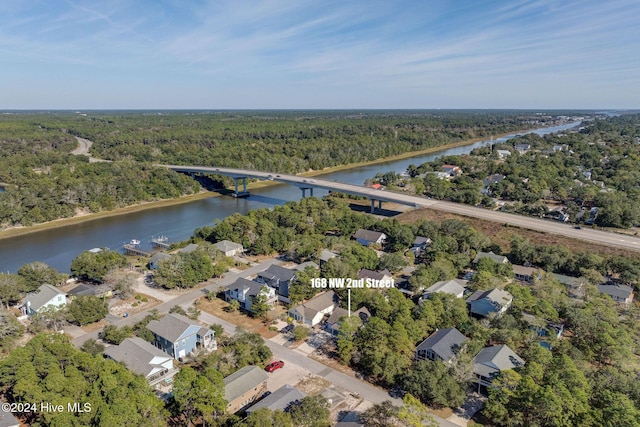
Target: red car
(274,365)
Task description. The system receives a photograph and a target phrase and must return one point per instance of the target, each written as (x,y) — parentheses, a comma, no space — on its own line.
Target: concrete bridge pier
(244,192)
(373,205)
(304,191)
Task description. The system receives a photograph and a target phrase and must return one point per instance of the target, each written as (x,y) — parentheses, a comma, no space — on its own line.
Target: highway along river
(58,247)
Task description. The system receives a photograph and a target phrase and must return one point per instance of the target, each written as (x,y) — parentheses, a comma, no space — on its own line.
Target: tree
(432,383)
(259,305)
(234,305)
(184,270)
(10,329)
(92,347)
(96,265)
(198,395)
(265,417)
(38,273)
(11,288)
(50,369)
(300,332)
(393,262)
(124,285)
(114,335)
(311,411)
(86,309)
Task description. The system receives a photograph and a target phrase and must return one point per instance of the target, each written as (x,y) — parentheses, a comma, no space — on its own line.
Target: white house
(229,248)
(311,312)
(47,296)
(143,359)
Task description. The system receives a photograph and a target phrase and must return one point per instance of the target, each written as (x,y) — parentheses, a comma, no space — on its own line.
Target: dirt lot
(219,308)
(132,305)
(501,234)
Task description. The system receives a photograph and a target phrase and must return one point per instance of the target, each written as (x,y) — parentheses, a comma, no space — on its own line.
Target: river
(59,246)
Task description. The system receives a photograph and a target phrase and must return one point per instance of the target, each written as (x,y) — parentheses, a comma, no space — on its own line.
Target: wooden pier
(130,249)
(160,242)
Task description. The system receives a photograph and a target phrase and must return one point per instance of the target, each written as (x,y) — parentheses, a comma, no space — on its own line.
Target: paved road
(546,226)
(83,150)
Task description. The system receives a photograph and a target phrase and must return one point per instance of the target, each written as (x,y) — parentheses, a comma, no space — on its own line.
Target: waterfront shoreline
(64,222)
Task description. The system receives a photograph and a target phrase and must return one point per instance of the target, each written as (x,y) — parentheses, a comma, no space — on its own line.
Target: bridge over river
(308,184)
(305,184)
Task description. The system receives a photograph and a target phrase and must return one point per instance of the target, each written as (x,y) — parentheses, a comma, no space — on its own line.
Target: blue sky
(236,54)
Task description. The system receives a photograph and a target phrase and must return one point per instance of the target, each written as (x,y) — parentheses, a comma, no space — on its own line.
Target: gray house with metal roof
(368,237)
(244,387)
(455,287)
(142,358)
(245,291)
(279,278)
(443,345)
(500,259)
(279,400)
(491,361)
(229,248)
(179,336)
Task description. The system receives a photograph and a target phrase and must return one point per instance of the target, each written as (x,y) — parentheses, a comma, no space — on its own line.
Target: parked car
(274,366)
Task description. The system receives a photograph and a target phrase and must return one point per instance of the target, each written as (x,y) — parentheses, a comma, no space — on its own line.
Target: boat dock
(133,248)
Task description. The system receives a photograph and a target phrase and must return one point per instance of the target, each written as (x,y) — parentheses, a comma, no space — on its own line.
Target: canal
(58,247)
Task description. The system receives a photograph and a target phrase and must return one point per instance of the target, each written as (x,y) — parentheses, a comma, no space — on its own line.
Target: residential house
(484,303)
(144,359)
(304,265)
(155,260)
(525,274)
(245,291)
(369,237)
(101,291)
(522,148)
(325,256)
(440,175)
(47,296)
(499,259)
(312,312)
(575,285)
(543,328)
(420,245)
(229,248)
(179,336)
(454,287)
(451,170)
(333,322)
(244,387)
(278,278)
(443,344)
(279,400)
(491,361)
(380,276)
(489,181)
(620,293)
(191,247)
(503,153)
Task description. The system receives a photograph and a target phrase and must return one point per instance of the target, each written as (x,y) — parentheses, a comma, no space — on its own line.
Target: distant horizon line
(82,110)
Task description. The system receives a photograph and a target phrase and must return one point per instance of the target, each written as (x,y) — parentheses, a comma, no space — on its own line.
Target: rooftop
(238,383)
(171,326)
(445,343)
(138,355)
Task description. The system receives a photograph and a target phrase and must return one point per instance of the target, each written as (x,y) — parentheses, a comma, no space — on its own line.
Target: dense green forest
(597,166)
(42,181)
